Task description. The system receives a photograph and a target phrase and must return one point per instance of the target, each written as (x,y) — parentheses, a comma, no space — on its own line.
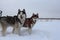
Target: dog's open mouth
(21,17)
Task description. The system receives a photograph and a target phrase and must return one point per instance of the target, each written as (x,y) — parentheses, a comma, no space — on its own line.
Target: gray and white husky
(15,21)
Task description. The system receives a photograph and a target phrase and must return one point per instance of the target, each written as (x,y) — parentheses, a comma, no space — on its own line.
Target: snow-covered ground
(41,31)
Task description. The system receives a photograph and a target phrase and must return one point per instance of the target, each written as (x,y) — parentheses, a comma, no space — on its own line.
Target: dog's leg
(4,27)
(13,29)
(29,29)
(17,29)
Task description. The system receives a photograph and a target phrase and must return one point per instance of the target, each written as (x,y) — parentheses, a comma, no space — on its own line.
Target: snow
(40,31)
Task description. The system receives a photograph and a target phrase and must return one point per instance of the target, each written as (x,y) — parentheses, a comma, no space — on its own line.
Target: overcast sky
(45,8)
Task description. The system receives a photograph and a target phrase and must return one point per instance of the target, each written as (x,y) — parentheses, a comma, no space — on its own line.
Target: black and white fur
(22,16)
(15,21)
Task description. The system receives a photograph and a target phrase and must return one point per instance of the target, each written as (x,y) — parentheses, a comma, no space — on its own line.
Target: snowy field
(41,31)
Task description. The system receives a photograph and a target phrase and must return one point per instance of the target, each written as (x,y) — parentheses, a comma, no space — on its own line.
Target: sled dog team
(18,21)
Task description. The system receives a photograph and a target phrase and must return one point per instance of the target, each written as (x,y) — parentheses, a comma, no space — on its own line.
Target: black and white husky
(15,21)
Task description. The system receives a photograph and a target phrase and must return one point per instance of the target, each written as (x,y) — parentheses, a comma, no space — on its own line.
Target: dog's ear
(24,10)
(37,13)
(18,10)
(33,14)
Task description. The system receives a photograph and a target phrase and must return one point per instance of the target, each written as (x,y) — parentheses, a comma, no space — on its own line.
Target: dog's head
(21,14)
(35,17)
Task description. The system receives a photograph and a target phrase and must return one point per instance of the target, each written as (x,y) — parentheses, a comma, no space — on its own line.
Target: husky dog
(29,22)
(21,17)
(15,21)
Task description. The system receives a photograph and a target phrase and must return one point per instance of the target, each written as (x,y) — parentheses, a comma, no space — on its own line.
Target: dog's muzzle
(21,17)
